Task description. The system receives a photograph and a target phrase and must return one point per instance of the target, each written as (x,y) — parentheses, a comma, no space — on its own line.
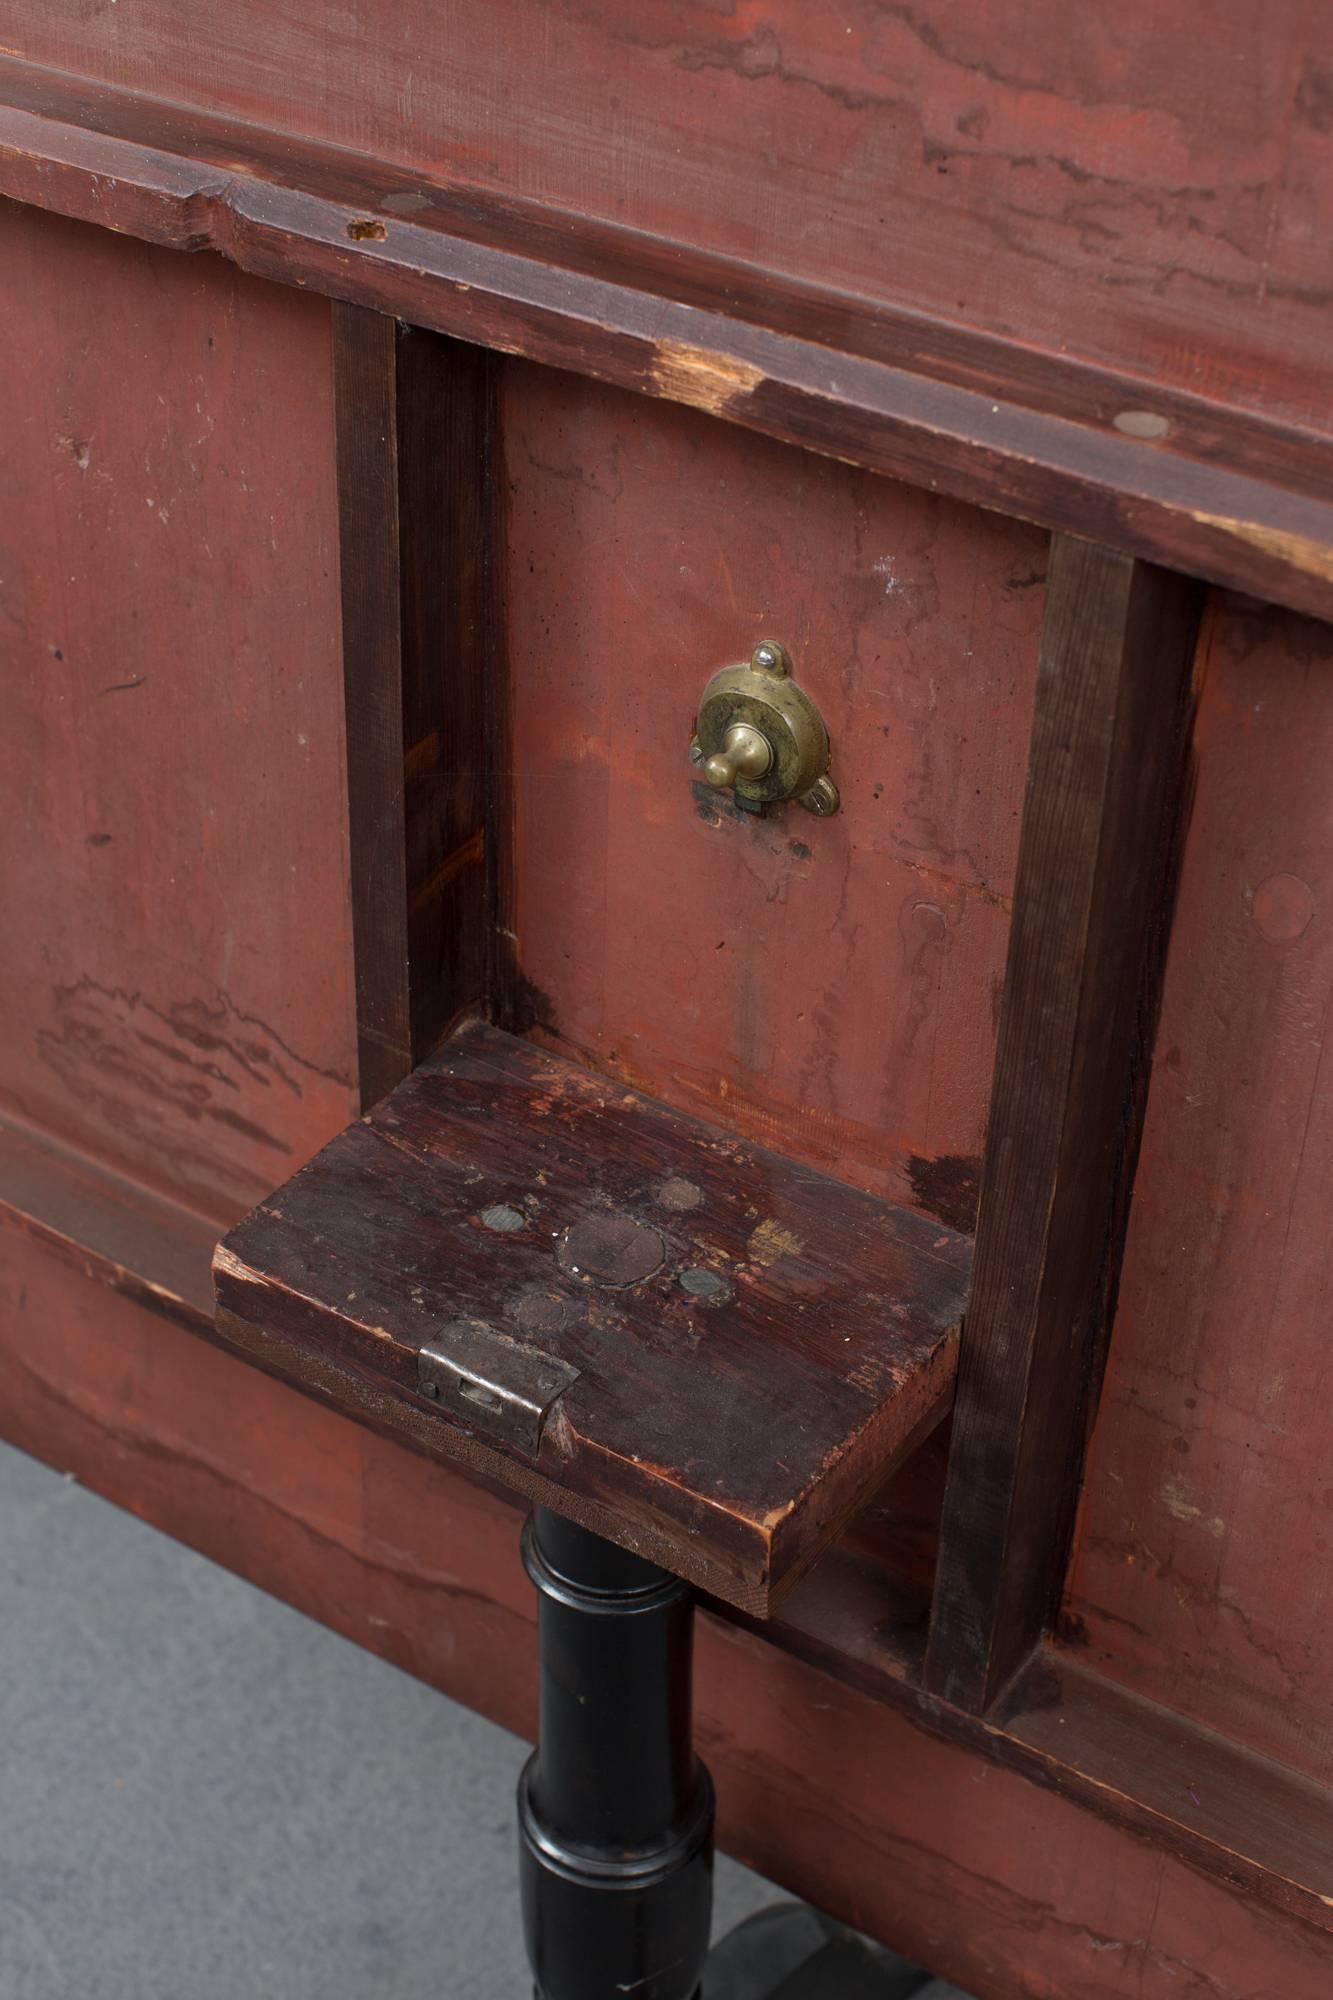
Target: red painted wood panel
(1204,1576)
(175,983)
(826,986)
(1146,186)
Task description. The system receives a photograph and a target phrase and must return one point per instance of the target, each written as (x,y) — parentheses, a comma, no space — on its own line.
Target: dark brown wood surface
(752,1344)
(1207,467)
(1106,796)
(414,416)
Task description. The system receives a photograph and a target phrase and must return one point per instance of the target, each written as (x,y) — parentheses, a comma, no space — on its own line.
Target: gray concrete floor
(205,1796)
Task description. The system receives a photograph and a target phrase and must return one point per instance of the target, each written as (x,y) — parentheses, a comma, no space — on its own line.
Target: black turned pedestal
(615,1811)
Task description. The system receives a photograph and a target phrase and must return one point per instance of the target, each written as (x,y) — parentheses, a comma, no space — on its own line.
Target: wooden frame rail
(1213,489)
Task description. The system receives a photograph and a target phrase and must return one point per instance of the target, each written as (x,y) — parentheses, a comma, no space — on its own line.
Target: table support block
(704,1352)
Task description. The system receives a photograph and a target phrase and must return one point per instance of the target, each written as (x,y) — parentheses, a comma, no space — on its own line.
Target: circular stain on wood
(610,1250)
(679,1194)
(540,1312)
(1283,907)
(705,1285)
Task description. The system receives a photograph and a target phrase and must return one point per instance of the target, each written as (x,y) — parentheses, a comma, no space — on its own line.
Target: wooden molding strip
(1213,490)
(1103,813)
(116,1233)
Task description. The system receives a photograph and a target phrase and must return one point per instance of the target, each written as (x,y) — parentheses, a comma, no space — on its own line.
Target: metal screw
(766,657)
(704,1285)
(503,1218)
(822,798)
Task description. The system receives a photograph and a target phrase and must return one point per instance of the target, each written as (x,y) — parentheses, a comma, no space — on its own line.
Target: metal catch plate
(492,1382)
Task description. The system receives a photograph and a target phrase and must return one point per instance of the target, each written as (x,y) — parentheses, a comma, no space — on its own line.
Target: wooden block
(695,1347)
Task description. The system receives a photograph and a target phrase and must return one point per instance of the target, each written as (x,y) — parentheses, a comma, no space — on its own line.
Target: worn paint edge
(1060,473)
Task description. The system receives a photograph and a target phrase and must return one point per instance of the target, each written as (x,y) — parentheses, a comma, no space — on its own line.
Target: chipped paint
(1309,557)
(770,1241)
(1176,1499)
(698,376)
(227,1264)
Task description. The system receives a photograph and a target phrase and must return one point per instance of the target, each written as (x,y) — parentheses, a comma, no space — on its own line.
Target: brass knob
(760,736)
(744,754)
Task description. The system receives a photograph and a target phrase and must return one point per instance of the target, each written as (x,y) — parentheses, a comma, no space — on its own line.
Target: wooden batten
(1102,818)
(414,417)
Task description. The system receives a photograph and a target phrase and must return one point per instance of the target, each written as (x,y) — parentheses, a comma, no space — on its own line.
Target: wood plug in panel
(693,1346)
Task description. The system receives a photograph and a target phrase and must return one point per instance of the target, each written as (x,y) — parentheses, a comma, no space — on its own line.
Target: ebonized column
(615,1810)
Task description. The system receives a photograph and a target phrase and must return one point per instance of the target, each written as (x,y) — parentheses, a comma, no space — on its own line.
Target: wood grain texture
(174,989)
(414,415)
(1107,787)
(1228,482)
(1143,193)
(826,988)
(1202,1569)
(1070,1845)
(726,1432)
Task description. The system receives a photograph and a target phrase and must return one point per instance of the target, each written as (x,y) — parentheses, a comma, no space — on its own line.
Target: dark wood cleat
(693,1347)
